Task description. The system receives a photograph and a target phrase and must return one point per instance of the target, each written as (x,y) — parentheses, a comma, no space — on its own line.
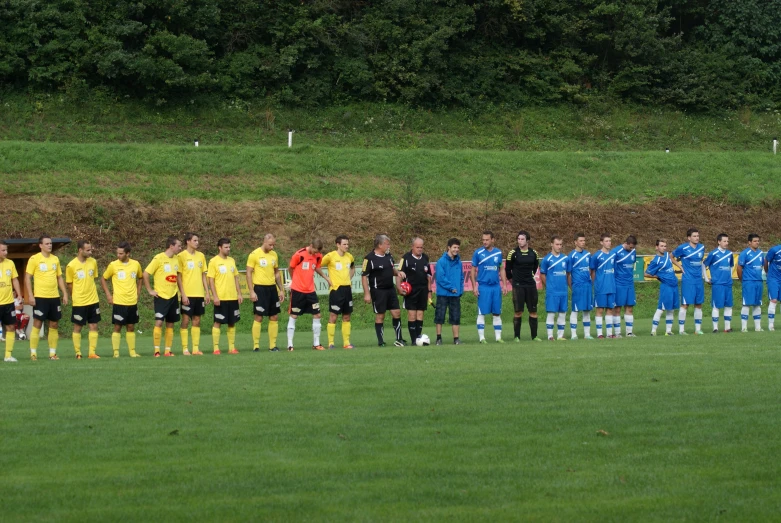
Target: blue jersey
(625,266)
(604,265)
(752,262)
(720,264)
(691,261)
(488,264)
(555,270)
(773,258)
(662,267)
(578,265)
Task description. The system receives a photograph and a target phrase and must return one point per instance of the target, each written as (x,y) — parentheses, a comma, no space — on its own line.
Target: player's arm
(508,266)
(740,272)
(206,292)
(544,277)
(704,270)
(213,288)
(180,285)
(238,288)
(17,288)
(148,285)
(280,284)
(28,289)
(319,271)
(104,284)
(252,295)
(63,288)
(473,279)
(503,278)
(400,275)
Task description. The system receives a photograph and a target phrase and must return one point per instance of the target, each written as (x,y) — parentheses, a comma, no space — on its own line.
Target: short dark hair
(603,236)
(170,241)
(525,234)
(752,236)
(3,242)
(489,233)
(81,243)
(631,240)
(579,235)
(554,238)
(223,241)
(453,241)
(660,240)
(125,246)
(692,231)
(43,237)
(722,235)
(317,243)
(189,236)
(341,238)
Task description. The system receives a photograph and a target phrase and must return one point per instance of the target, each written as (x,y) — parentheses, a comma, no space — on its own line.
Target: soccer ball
(423,341)
(405,287)
(20,335)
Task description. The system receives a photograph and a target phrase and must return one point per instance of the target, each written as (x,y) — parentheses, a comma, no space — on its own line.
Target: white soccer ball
(423,340)
(21,335)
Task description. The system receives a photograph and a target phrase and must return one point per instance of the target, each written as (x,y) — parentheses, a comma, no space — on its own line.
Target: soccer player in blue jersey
(750,263)
(487,272)
(690,255)
(553,273)
(603,268)
(720,263)
(579,279)
(773,270)
(625,286)
(661,268)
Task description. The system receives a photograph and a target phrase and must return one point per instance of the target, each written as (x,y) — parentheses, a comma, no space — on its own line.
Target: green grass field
(618,430)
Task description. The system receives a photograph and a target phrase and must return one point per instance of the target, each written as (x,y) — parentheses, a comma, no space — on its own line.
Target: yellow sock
(231,337)
(93,341)
(256,330)
(331,333)
(169,339)
(216,337)
(345,333)
(196,338)
(130,338)
(116,337)
(54,336)
(157,335)
(9,344)
(77,343)
(183,335)
(273,331)
(35,337)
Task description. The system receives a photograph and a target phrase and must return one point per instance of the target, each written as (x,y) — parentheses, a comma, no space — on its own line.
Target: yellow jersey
(124,281)
(7,275)
(165,272)
(263,265)
(192,268)
(45,270)
(338,268)
(82,276)
(224,272)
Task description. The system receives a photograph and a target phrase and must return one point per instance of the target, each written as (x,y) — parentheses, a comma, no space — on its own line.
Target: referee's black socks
(397,327)
(378,327)
(533,326)
(517,326)
(412,326)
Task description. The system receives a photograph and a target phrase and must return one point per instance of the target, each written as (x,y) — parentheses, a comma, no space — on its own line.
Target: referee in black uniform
(415,265)
(378,289)
(522,264)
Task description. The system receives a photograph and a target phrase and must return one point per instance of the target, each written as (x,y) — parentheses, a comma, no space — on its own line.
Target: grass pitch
(644,429)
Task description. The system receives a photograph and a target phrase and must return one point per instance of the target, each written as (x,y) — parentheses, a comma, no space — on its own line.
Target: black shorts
(453,305)
(525,296)
(384,300)
(340,301)
(304,303)
(8,314)
(196,307)
(124,315)
(86,314)
(227,312)
(167,310)
(47,309)
(268,300)
(417,300)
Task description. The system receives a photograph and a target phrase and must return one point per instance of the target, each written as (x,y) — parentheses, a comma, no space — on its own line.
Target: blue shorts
(625,296)
(752,292)
(555,303)
(605,301)
(692,293)
(582,298)
(773,289)
(490,299)
(668,298)
(721,296)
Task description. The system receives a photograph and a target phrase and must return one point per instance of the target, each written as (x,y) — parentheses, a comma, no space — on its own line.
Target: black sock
(439,337)
(397,327)
(455,338)
(420,328)
(412,327)
(533,326)
(517,326)
(378,327)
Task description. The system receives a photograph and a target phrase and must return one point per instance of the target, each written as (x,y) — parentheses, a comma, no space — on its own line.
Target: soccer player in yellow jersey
(266,291)
(226,294)
(41,280)
(125,275)
(195,295)
(9,283)
(164,268)
(341,268)
(80,275)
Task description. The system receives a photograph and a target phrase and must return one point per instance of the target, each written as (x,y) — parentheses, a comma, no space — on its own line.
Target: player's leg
(598,317)
(420,313)
(518,304)
(296,304)
(439,315)
(532,299)
(332,317)
(629,320)
(412,323)
(562,317)
(92,342)
(483,307)
(76,336)
(346,328)
(195,332)
(8,329)
(273,332)
(316,325)
(216,334)
(550,309)
(616,322)
(496,310)
(728,308)
(687,296)
(773,295)
(184,334)
(257,329)
(396,319)
(454,317)
(53,338)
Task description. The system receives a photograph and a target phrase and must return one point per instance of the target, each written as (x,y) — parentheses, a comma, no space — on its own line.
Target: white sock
(481,326)
(549,324)
(714,316)
(757,318)
(669,321)
(743,318)
(498,327)
(561,323)
(291,330)
(586,323)
(629,320)
(608,325)
(697,320)
(617,324)
(657,317)
(771,315)
(573,323)
(727,318)
(599,325)
(681,320)
(316,331)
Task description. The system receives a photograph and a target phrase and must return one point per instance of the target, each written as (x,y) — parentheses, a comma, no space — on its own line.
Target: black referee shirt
(521,267)
(417,270)
(379,270)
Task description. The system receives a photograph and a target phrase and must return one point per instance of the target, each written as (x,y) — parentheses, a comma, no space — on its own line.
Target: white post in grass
(667,150)
(775,145)
(290,138)
(195,142)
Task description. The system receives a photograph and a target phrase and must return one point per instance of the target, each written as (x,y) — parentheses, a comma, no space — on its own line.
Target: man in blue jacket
(449,276)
